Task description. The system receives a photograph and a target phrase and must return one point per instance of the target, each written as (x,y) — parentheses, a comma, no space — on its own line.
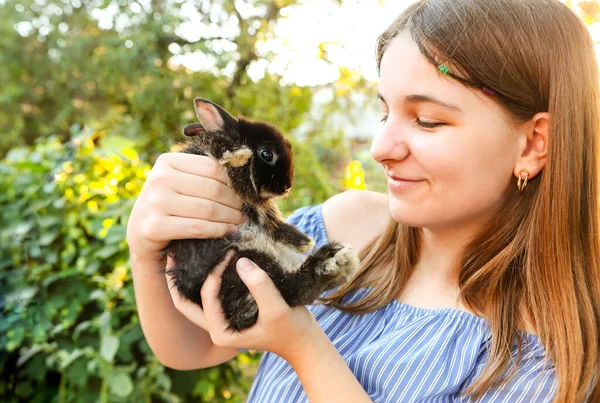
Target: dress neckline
(457,313)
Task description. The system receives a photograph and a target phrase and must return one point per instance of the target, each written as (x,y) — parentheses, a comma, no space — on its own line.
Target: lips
(400,178)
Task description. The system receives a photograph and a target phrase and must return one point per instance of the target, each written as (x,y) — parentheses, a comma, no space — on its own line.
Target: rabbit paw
(306,247)
(342,265)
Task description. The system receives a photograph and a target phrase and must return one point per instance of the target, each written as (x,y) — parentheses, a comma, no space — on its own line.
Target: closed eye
(428,125)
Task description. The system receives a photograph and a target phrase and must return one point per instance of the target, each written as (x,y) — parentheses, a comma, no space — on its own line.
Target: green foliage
(70,331)
(61,67)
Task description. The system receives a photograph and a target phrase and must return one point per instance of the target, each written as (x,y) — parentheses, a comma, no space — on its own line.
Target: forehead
(405,71)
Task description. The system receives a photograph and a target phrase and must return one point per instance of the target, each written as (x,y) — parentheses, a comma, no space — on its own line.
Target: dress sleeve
(535,382)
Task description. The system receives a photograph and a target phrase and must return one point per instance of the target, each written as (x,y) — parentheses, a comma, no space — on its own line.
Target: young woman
(480,270)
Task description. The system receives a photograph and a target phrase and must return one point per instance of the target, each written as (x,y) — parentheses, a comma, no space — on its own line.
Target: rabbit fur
(258,162)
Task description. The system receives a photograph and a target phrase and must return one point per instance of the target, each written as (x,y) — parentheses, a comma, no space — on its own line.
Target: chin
(406,215)
(408,221)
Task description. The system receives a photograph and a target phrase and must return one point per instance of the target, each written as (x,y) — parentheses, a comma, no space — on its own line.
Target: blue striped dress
(401,353)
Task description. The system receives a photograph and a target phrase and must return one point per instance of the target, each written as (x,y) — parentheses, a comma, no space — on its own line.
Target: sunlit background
(91,92)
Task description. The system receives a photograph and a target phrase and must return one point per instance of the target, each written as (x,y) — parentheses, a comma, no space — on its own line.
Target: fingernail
(233,230)
(245,264)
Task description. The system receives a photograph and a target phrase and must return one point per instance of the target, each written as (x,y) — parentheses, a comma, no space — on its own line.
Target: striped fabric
(402,353)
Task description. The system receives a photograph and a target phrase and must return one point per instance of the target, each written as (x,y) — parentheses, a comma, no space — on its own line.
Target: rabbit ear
(193,130)
(212,116)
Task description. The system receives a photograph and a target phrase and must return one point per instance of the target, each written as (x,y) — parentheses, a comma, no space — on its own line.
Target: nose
(286,187)
(390,143)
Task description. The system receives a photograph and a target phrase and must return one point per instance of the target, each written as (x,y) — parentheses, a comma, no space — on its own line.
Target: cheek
(467,178)
(466,156)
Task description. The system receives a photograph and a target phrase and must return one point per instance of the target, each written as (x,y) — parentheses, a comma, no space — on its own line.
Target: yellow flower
(92,206)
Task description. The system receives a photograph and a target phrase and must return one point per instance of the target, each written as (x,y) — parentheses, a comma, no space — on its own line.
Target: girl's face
(456,143)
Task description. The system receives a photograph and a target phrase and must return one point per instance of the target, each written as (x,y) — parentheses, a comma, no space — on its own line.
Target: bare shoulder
(355,217)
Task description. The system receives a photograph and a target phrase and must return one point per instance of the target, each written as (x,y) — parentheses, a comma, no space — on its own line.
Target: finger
(191,311)
(196,165)
(207,188)
(212,284)
(165,228)
(261,287)
(199,208)
(210,295)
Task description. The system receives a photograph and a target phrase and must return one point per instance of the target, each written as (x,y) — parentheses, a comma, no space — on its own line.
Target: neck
(441,252)
(434,280)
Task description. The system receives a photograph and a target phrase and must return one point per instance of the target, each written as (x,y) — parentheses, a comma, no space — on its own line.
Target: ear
(211,116)
(193,130)
(533,145)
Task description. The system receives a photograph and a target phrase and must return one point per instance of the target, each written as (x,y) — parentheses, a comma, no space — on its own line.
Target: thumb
(259,283)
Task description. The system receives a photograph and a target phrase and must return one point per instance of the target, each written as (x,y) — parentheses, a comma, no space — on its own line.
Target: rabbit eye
(266,155)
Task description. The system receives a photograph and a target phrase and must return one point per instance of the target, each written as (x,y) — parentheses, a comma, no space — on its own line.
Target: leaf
(47,238)
(80,328)
(22,294)
(120,383)
(39,204)
(49,187)
(132,335)
(24,389)
(30,166)
(106,252)
(17,154)
(92,267)
(204,389)
(47,220)
(77,373)
(115,234)
(109,347)
(163,380)
(58,203)
(117,144)
(25,356)
(104,321)
(97,294)
(23,227)
(70,357)
(56,276)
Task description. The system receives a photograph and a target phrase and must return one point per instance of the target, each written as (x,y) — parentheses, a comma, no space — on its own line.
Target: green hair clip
(446,71)
(443,69)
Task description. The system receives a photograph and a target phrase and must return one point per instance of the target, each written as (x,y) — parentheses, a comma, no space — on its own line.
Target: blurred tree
(108,64)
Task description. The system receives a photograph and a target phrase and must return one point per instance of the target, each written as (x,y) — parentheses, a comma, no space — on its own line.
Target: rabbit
(258,162)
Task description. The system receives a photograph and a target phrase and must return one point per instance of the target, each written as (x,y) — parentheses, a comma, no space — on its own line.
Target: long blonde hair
(542,250)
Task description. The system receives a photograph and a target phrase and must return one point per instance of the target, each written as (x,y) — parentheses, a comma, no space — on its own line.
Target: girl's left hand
(280,329)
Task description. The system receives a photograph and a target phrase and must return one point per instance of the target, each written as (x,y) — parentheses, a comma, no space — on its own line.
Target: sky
(349,30)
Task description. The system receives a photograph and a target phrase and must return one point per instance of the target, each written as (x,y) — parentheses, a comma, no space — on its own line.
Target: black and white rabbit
(258,162)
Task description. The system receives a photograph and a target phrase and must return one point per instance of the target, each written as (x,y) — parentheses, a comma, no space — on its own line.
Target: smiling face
(458,143)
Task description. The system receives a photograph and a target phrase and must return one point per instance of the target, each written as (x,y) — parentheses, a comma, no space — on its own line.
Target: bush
(70,331)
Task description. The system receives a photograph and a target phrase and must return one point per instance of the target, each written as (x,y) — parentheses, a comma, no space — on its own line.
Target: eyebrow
(420,99)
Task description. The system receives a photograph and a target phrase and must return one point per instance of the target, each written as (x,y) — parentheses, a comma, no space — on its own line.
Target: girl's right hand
(185,196)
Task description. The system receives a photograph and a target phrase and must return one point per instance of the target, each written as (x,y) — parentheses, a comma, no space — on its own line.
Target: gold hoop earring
(521,185)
